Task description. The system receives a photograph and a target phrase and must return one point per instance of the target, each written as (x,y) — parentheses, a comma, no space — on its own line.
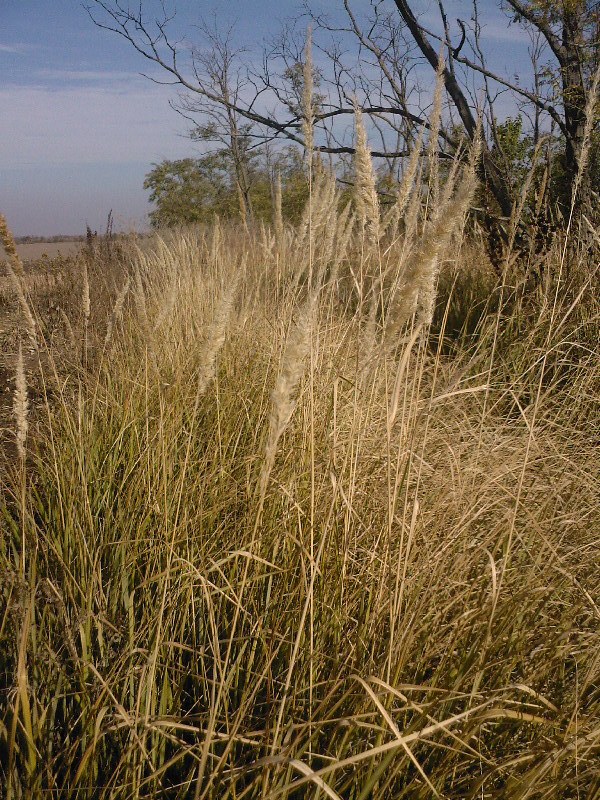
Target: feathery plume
(243,209)
(367,202)
(30,324)
(283,402)
(345,228)
(523,195)
(430,254)
(68,327)
(216,240)
(434,132)
(10,247)
(85,293)
(20,405)
(278,210)
(308,115)
(315,217)
(215,337)
(395,213)
(418,290)
(16,274)
(590,118)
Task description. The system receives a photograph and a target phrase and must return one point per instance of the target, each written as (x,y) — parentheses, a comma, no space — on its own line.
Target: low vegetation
(307,511)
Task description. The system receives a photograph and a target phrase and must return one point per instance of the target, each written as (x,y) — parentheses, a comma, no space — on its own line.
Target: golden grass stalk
(278,210)
(215,338)
(283,399)
(435,120)
(10,247)
(308,113)
(333,628)
(367,202)
(20,405)
(394,215)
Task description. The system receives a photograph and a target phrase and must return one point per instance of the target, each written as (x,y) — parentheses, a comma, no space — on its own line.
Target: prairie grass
(296,526)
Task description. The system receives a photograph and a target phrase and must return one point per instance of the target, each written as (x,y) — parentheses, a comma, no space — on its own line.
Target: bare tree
(217,69)
(378,58)
(570,30)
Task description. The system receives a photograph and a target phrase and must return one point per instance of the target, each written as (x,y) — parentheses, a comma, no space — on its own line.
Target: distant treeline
(47,239)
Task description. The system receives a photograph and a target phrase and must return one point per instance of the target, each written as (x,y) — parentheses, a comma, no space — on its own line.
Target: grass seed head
(308,112)
(367,202)
(21,405)
(10,247)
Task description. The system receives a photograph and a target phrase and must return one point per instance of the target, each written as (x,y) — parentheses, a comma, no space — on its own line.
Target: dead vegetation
(305,512)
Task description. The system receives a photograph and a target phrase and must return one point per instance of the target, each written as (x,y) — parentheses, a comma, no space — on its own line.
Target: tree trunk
(574,100)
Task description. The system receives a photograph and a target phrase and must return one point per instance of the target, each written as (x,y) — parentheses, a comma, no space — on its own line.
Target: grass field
(303,513)
(34,251)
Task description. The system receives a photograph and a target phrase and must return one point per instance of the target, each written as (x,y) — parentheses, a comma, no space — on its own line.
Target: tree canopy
(194,190)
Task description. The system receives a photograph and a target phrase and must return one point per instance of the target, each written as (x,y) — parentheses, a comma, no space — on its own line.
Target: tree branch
(528,13)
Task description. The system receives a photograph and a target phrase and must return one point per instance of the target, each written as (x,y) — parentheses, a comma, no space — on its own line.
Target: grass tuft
(293,532)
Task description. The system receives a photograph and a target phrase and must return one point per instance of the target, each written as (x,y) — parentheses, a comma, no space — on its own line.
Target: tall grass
(297,528)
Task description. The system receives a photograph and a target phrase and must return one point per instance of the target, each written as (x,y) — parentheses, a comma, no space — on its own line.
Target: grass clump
(286,541)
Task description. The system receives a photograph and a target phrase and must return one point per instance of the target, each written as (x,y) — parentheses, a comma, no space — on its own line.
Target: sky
(80,127)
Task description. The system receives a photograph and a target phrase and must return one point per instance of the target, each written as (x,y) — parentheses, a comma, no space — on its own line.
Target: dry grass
(273,541)
(32,252)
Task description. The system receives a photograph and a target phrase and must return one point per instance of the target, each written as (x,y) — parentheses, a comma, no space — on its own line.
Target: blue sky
(80,127)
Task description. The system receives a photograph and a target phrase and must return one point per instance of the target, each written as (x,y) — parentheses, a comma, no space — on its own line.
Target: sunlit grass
(275,536)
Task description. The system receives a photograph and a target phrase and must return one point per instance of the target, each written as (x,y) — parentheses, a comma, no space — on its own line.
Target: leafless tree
(217,69)
(378,57)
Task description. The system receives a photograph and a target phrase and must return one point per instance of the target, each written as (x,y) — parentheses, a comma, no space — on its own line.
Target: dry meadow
(304,512)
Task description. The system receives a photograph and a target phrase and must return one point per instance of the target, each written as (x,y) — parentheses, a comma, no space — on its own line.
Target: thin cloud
(87,124)
(19,48)
(93,76)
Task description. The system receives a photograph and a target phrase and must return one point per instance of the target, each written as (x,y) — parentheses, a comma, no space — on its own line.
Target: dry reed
(366,200)
(299,583)
(283,400)
(308,114)
(10,247)
(21,406)
(278,211)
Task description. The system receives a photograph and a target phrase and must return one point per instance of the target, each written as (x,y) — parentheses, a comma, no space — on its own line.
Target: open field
(302,513)
(37,250)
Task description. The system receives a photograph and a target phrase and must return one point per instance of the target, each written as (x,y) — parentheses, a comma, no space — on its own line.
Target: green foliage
(189,190)
(514,150)
(194,190)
